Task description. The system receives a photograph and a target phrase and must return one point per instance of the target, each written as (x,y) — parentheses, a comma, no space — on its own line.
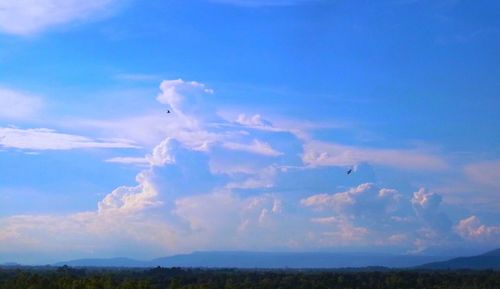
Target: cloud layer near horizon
(243,183)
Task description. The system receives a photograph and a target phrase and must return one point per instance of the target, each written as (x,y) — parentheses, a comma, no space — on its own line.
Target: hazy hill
(10,264)
(290,260)
(235,259)
(112,262)
(489,260)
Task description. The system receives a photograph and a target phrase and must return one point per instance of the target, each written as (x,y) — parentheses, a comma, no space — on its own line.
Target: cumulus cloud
(354,211)
(386,212)
(223,213)
(200,219)
(18,105)
(126,200)
(338,230)
(346,233)
(24,17)
(263,178)
(365,198)
(471,229)
(161,154)
(199,188)
(425,202)
(175,92)
(48,139)
(426,205)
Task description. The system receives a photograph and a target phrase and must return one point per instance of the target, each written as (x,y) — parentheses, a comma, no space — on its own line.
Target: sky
(271,103)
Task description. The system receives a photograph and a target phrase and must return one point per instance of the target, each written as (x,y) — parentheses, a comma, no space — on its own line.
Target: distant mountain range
(10,264)
(489,260)
(272,260)
(111,262)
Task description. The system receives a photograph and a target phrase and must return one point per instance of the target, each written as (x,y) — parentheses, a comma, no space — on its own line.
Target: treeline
(177,278)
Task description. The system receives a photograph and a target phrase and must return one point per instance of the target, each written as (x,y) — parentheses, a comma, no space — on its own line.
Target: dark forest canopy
(177,278)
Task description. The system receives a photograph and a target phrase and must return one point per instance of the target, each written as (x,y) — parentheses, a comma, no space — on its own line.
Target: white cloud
(161,154)
(317,153)
(427,207)
(340,231)
(424,201)
(323,201)
(137,77)
(18,105)
(230,168)
(255,121)
(387,214)
(364,198)
(175,92)
(258,3)
(192,122)
(256,147)
(129,160)
(84,234)
(24,17)
(198,191)
(485,173)
(126,200)
(471,228)
(396,239)
(124,221)
(211,216)
(325,220)
(47,139)
(263,178)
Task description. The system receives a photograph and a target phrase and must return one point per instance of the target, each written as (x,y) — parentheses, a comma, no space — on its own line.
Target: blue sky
(271,101)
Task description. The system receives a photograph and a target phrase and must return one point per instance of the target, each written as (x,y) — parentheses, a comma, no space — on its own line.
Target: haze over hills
(105,262)
(238,259)
(488,260)
(10,264)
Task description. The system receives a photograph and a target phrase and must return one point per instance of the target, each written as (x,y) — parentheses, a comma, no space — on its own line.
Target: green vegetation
(177,278)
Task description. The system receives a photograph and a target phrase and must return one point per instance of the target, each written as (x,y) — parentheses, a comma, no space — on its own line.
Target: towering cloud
(215,183)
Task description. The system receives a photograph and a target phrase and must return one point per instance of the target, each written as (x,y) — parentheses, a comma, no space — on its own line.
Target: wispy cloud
(129,160)
(256,147)
(16,104)
(24,17)
(47,139)
(137,77)
(485,173)
(318,153)
(257,3)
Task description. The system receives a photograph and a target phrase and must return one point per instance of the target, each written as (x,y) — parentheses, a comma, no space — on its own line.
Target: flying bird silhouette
(168,110)
(349,171)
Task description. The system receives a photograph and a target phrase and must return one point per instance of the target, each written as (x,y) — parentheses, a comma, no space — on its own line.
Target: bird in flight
(349,171)
(168,110)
